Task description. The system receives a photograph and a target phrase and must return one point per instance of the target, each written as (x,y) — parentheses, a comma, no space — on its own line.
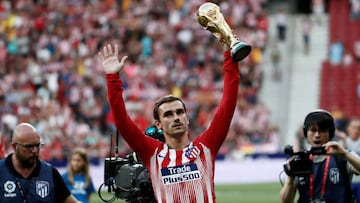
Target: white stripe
(163,154)
(184,159)
(172,157)
(208,172)
(155,173)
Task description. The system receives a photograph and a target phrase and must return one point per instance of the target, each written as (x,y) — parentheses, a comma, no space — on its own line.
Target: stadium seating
(339,82)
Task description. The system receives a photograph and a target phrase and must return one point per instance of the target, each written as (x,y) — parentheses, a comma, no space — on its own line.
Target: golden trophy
(210,18)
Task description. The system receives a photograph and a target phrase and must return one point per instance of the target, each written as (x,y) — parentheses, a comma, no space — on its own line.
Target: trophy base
(240,50)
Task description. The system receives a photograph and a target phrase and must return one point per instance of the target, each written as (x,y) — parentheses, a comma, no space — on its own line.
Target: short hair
(321,118)
(162,100)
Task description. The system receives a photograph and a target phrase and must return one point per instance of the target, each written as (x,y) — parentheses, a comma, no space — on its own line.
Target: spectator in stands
(276,56)
(306,26)
(347,58)
(358,87)
(281,24)
(351,141)
(355,9)
(318,7)
(2,148)
(300,140)
(336,52)
(357,50)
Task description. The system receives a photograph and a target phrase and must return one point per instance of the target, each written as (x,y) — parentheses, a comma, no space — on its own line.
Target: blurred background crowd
(50,75)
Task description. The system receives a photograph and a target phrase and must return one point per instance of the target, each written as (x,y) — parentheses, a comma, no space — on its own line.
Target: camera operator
(181,170)
(329,179)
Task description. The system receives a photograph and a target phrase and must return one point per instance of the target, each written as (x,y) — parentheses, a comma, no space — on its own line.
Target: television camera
(126,177)
(301,164)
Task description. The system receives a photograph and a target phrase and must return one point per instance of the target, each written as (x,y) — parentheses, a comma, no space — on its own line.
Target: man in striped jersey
(181,170)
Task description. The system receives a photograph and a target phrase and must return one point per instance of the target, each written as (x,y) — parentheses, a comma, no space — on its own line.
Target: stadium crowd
(50,75)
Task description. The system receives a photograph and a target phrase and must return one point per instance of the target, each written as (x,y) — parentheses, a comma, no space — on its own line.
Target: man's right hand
(109,59)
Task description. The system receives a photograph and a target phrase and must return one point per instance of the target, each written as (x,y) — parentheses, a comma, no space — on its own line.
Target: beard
(27,162)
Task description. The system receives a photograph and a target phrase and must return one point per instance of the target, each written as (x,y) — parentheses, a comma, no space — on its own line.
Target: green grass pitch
(240,193)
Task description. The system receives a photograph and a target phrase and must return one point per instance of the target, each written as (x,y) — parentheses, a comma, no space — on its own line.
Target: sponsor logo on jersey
(9,188)
(178,174)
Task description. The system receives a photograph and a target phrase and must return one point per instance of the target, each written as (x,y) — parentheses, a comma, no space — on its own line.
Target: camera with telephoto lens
(301,164)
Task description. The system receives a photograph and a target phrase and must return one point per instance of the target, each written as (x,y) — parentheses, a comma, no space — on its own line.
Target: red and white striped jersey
(183,175)
(187,175)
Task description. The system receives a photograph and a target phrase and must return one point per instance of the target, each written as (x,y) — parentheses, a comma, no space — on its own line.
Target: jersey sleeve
(137,140)
(61,190)
(350,168)
(215,135)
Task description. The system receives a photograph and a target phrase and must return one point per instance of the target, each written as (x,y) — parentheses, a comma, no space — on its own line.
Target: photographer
(181,170)
(329,177)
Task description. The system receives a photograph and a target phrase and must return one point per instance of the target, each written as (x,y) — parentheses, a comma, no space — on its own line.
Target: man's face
(173,120)
(27,157)
(316,137)
(27,151)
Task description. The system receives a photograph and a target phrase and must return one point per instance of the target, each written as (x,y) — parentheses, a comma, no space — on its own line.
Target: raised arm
(110,61)
(112,66)
(335,148)
(219,127)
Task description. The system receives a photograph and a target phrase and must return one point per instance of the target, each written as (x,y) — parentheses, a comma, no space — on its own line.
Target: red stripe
(179,157)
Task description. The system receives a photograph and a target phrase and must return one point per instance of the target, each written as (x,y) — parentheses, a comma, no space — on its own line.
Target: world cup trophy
(210,18)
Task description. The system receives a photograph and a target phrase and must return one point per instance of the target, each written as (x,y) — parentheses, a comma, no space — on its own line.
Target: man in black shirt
(25,178)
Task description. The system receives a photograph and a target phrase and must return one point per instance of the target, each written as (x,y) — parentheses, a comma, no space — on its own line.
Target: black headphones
(320,115)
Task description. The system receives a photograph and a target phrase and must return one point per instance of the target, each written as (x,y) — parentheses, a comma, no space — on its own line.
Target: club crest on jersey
(192,152)
(42,188)
(178,174)
(334,175)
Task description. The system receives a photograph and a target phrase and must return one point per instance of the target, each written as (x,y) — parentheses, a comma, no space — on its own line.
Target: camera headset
(323,119)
